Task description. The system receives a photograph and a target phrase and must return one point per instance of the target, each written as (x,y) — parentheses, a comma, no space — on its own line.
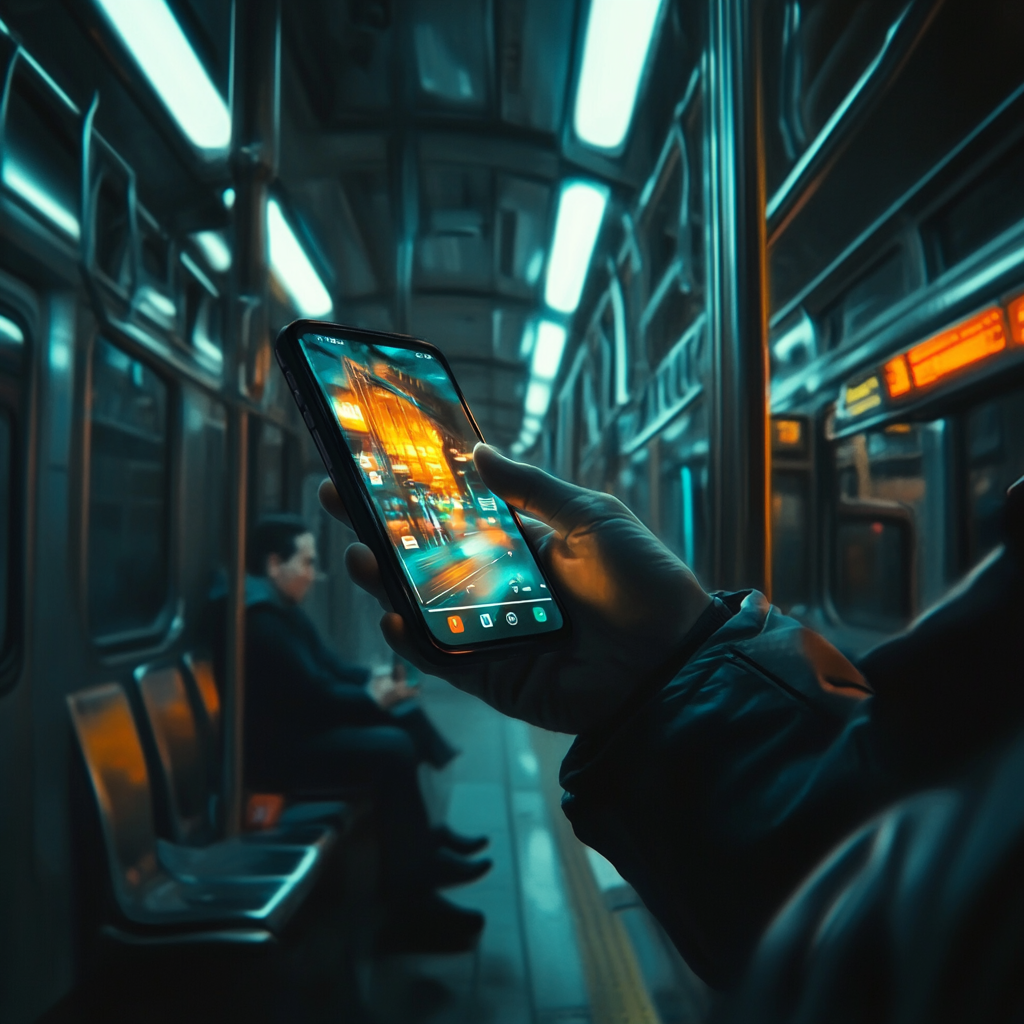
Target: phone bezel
(365,520)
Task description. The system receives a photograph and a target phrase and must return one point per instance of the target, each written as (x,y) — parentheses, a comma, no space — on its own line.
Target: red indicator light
(968,342)
(1016,311)
(897,377)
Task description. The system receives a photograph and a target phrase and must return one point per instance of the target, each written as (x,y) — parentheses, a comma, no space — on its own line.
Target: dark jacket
(718,796)
(295,687)
(722,791)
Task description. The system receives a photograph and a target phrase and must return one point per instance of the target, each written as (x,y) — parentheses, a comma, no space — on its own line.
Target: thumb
(535,492)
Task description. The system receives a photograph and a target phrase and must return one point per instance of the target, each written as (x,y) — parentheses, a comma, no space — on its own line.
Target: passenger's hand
(631,602)
(390,689)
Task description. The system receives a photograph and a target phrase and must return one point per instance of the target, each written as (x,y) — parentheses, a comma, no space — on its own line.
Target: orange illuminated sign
(968,342)
(788,432)
(897,377)
(1016,311)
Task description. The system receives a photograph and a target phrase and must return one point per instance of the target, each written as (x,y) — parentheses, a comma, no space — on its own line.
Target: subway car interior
(756,269)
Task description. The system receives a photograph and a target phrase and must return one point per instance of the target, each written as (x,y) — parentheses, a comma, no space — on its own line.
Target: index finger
(331,501)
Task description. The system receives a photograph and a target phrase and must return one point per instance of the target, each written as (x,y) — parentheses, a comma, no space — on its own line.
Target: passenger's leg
(431,746)
(383,760)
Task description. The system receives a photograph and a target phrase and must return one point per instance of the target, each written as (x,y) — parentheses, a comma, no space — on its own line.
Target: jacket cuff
(716,615)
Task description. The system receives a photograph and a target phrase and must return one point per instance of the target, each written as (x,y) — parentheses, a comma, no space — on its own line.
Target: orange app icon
(455,624)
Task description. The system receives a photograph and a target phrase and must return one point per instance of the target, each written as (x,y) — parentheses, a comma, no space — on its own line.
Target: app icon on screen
(486,621)
(455,624)
(511,618)
(539,614)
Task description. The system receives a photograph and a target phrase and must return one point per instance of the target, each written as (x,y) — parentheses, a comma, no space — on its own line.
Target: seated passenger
(315,724)
(723,750)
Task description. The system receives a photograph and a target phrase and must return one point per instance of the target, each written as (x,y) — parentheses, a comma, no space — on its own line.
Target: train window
(825,48)
(995,459)
(985,209)
(875,292)
(129,487)
(113,242)
(790,533)
(872,572)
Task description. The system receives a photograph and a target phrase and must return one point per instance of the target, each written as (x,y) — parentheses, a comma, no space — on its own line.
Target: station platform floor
(566,941)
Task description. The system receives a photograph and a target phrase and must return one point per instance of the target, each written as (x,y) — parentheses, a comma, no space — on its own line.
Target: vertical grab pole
(737,297)
(255,91)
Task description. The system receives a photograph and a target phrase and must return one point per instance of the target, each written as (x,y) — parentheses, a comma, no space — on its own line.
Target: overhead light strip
(292,267)
(615,49)
(581,207)
(154,38)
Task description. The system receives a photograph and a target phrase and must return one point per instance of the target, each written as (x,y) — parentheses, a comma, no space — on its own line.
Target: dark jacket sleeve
(285,666)
(919,916)
(718,795)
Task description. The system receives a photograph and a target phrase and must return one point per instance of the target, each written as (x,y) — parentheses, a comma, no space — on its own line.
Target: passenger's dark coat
(296,687)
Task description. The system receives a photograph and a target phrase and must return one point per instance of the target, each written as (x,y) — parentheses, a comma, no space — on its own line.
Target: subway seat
(251,890)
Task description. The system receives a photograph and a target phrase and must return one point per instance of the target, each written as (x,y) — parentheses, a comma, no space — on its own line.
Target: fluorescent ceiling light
(538,398)
(547,350)
(614,54)
(532,425)
(580,212)
(292,268)
(149,30)
(215,249)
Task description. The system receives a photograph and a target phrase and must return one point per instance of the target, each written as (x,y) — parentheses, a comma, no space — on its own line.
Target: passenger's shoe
(466,845)
(431,925)
(448,868)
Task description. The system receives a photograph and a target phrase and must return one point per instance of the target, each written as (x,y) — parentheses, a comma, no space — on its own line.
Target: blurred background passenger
(316,724)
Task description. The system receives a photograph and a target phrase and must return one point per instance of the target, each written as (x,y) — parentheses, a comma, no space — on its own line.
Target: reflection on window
(871,582)
(128,494)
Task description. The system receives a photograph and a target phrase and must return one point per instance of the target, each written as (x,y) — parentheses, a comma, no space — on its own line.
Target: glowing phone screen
(412,442)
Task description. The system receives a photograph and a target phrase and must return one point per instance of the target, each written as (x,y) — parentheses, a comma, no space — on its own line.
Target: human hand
(389,688)
(631,602)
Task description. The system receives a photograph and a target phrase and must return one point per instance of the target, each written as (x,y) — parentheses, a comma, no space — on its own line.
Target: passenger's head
(283,549)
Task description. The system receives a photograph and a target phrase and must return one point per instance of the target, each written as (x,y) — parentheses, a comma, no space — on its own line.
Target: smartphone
(397,438)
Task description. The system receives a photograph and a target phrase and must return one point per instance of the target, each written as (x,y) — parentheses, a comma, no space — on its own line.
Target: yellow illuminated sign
(862,397)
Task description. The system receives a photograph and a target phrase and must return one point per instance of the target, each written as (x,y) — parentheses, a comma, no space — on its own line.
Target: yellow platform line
(615,985)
